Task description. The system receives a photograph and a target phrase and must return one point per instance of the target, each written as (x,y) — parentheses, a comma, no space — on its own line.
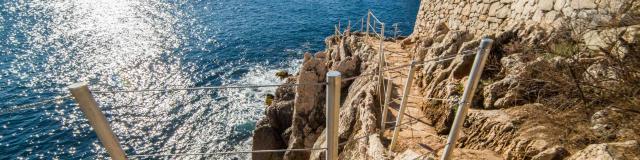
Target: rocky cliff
(296,118)
(562,81)
(555,67)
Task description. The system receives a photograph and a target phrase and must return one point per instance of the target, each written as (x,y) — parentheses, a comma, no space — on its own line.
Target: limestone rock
(321,142)
(545,5)
(503,12)
(308,114)
(506,1)
(265,138)
(559,4)
(493,9)
(553,153)
(537,16)
(583,4)
(409,155)
(511,90)
(269,130)
(609,151)
(550,17)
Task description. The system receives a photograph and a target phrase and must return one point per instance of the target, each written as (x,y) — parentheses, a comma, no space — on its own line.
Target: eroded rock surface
(628,150)
(530,103)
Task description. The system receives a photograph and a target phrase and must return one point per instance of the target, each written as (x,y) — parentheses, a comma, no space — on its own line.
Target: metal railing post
(333,113)
(89,106)
(361,24)
(381,64)
(467,96)
(403,105)
(382,42)
(385,110)
(339,26)
(395,30)
(368,21)
(374,27)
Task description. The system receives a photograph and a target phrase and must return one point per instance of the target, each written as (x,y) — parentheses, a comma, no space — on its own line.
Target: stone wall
(490,16)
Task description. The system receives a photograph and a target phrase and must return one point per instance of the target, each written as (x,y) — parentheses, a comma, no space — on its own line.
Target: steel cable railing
(205,88)
(392,127)
(418,63)
(219,153)
(32,105)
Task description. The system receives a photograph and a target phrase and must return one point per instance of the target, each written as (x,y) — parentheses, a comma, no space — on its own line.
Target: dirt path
(416,136)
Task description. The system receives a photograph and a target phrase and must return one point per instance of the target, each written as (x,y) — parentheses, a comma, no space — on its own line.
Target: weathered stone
(569,12)
(518,6)
(488,1)
(482,18)
(527,10)
(583,4)
(594,41)
(503,13)
(545,5)
(559,4)
(613,6)
(409,155)
(608,151)
(553,153)
(510,91)
(550,17)
(485,9)
(466,10)
(537,16)
(494,8)
(268,139)
(494,20)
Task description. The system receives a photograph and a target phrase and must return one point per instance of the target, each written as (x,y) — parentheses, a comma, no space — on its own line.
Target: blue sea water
(128,44)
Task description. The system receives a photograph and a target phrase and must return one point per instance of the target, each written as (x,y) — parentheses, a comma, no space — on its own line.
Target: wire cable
(437,60)
(231,152)
(32,105)
(205,88)
(392,127)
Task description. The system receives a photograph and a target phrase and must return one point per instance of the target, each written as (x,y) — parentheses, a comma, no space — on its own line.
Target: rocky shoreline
(296,118)
(541,96)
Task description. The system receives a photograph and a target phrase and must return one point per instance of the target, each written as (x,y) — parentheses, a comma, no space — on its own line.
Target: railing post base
(467,96)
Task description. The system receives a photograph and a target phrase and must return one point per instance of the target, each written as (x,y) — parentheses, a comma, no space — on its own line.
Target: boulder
(265,137)
(553,153)
(628,150)
(583,4)
(545,5)
(282,74)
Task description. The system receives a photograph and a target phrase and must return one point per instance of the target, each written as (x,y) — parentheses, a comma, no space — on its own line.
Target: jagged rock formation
(533,76)
(306,122)
(609,151)
(562,81)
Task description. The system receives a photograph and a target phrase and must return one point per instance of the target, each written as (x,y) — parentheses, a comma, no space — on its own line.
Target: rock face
(609,151)
(271,131)
(296,119)
(529,68)
(530,103)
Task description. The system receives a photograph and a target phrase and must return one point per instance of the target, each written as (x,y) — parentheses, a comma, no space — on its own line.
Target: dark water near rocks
(123,44)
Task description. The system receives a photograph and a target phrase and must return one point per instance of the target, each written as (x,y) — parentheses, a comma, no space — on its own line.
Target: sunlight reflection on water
(129,44)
